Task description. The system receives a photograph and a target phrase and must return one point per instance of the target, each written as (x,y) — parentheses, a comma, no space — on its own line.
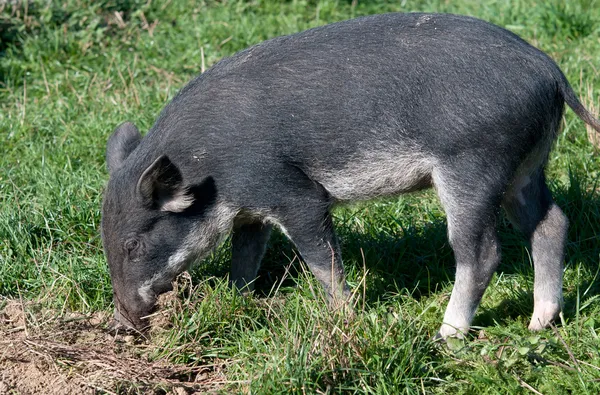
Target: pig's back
(383,96)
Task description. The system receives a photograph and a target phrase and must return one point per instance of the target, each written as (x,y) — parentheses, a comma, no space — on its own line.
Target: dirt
(47,352)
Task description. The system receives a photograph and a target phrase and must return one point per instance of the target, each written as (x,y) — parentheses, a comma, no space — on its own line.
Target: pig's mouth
(129,321)
(137,319)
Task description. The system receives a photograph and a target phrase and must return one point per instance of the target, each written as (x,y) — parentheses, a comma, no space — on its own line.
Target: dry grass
(76,354)
(593,105)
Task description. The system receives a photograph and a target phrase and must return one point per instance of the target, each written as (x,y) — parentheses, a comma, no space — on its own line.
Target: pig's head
(154,224)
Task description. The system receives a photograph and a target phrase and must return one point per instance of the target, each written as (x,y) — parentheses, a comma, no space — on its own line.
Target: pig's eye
(131,245)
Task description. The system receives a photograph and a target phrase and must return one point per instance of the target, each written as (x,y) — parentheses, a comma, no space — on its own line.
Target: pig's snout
(124,320)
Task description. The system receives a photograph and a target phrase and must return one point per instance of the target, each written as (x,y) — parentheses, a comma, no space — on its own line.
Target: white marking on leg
(459,313)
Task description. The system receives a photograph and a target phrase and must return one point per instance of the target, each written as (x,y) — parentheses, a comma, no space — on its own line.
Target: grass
(70,71)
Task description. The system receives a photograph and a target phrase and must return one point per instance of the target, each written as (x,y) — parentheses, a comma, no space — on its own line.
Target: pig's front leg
(306,221)
(318,247)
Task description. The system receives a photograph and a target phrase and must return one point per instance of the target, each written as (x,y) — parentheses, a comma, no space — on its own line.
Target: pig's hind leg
(530,207)
(471,196)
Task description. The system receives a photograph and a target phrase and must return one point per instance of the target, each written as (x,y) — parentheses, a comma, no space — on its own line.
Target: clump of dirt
(168,302)
(44,352)
(12,316)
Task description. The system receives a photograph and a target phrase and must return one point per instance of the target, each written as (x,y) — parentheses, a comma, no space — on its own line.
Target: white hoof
(447,331)
(543,314)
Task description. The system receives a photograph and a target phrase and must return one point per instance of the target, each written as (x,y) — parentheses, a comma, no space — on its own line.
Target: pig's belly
(374,175)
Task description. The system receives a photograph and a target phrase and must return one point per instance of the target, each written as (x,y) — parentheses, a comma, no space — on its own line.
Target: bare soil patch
(46,352)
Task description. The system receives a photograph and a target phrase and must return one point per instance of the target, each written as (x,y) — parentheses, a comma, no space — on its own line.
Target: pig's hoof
(117,326)
(453,342)
(543,314)
(341,303)
(344,308)
(448,331)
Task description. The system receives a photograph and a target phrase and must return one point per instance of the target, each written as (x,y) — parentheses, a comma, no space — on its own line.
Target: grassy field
(71,70)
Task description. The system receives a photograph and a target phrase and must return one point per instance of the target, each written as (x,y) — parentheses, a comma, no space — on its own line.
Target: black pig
(376,106)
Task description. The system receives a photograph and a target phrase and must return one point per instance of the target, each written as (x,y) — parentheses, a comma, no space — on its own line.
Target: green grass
(70,71)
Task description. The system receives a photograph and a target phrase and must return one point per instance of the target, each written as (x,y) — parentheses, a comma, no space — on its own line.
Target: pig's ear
(161,187)
(121,143)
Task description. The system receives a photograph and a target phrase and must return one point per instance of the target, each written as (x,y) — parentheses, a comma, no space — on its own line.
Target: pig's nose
(120,321)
